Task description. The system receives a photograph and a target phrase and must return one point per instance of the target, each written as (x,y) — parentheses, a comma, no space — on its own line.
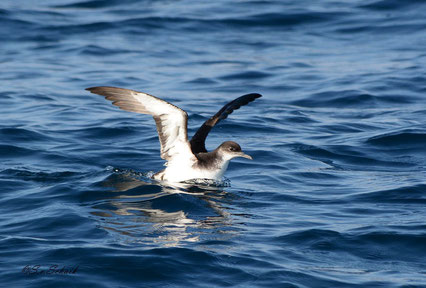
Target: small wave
(148,23)
(246,75)
(348,98)
(407,194)
(22,135)
(405,138)
(370,245)
(384,29)
(15,151)
(201,81)
(283,19)
(38,176)
(345,157)
(108,132)
(96,50)
(66,30)
(94,4)
(391,4)
(309,237)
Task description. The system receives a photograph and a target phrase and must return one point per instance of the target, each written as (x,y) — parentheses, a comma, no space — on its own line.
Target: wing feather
(198,140)
(171,121)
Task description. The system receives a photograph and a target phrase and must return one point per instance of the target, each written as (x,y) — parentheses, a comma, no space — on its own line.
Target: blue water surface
(335,195)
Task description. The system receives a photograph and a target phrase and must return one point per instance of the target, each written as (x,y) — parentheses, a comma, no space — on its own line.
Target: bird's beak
(244,155)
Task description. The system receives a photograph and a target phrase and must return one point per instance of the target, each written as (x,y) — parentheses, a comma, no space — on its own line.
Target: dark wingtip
(253,95)
(90,89)
(100,87)
(98,90)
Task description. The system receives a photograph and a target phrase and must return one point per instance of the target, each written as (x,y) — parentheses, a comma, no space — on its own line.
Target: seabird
(186,160)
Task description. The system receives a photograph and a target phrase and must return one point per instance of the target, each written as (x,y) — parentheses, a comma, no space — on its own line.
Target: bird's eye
(232,148)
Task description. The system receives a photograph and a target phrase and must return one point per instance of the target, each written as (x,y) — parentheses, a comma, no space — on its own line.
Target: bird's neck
(212,160)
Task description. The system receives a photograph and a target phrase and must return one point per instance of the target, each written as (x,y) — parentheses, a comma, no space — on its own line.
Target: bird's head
(229,150)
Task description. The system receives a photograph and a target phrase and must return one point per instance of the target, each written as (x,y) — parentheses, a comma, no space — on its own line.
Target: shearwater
(186,160)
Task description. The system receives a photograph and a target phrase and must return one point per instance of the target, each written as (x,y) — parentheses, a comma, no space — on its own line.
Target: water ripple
(334,196)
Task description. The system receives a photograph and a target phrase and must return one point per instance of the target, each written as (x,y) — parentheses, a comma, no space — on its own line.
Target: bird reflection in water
(146,212)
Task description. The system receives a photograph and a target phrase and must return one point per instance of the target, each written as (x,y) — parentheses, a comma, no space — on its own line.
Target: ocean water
(335,195)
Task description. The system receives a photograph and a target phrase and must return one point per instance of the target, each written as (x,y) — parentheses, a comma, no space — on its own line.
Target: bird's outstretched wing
(199,139)
(171,121)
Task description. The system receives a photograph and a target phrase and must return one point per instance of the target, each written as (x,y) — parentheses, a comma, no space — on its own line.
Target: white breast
(184,170)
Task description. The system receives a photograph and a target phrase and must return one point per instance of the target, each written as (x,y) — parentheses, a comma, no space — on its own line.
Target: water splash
(225,182)
(204,182)
(130,172)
